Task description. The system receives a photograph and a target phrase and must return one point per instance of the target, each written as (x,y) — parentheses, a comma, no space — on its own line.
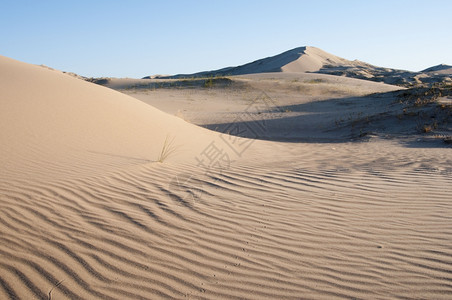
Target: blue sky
(139,38)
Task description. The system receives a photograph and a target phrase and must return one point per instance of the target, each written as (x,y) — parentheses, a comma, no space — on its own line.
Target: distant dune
(439,69)
(302,59)
(312,59)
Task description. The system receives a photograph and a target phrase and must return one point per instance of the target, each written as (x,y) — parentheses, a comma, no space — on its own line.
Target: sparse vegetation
(182,83)
(419,97)
(417,111)
(168,149)
(422,103)
(315,81)
(214,81)
(208,83)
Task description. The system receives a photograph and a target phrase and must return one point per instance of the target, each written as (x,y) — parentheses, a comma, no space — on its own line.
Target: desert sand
(146,193)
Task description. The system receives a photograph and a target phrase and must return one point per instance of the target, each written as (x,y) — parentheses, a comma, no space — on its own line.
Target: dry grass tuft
(168,149)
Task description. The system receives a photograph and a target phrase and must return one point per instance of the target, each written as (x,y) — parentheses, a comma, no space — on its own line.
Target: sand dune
(47,116)
(87,212)
(301,106)
(301,59)
(439,69)
(315,60)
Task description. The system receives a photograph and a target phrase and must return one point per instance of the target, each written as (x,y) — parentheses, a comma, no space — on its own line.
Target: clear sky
(138,38)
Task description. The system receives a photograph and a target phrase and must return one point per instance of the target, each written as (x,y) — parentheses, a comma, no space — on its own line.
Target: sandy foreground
(103,196)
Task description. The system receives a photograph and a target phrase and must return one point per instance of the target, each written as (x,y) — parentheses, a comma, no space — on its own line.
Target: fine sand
(314,207)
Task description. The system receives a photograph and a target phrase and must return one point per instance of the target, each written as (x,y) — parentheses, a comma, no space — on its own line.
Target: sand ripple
(248,232)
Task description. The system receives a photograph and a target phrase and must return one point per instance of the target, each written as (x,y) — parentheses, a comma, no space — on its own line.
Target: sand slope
(87,213)
(47,116)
